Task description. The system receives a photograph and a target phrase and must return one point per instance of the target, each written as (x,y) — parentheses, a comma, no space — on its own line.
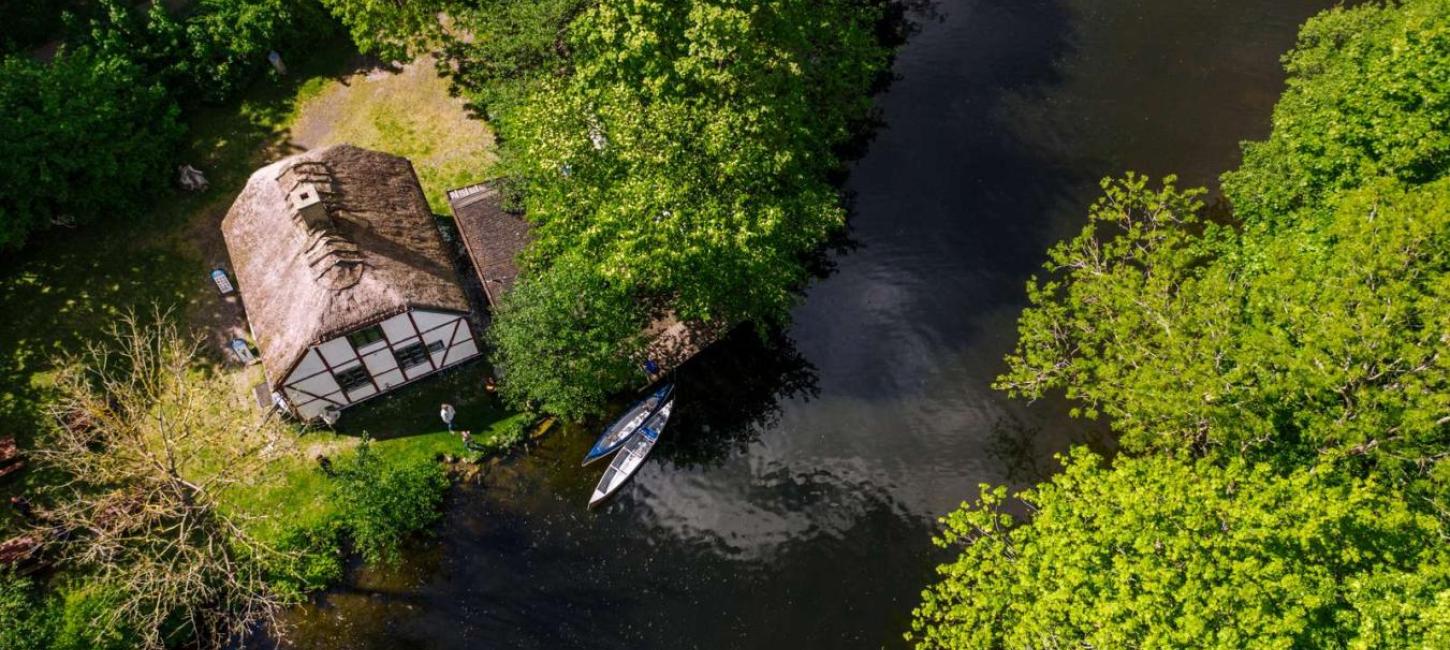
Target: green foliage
(683,165)
(510,46)
(26,24)
(81,621)
(388,28)
(311,560)
(1286,370)
(26,621)
(1368,96)
(216,48)
(1156,552)
(87,137)
(1314,340)
(567,338)
(381,503)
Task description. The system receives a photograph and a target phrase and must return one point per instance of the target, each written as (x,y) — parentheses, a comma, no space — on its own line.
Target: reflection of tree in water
(1013,445)
(1016,445)
(732,391)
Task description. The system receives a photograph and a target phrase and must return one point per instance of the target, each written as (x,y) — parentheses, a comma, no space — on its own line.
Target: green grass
(404,428)
(409,113)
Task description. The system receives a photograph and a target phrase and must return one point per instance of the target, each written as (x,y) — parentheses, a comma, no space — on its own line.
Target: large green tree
(1368,95)
(392,29)
(1190,336)
(1160,553)
(1280,378)
(683,164)
(87,137)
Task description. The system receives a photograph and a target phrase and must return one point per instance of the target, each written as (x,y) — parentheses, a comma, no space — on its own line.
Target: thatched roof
(331,240)
(494,238)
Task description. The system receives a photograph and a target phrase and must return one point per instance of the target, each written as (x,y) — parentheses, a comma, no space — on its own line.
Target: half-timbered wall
(314,385)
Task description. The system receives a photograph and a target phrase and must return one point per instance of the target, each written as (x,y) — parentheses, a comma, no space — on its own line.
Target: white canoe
(629,459)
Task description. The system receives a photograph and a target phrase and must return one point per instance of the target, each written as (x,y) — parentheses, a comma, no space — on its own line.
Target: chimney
(308,208)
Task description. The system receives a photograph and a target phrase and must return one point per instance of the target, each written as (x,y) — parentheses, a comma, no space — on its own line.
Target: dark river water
(792,500)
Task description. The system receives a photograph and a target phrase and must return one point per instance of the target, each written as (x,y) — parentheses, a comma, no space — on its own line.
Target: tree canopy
(1161,553)
(680,167)
(1368,96)
(87,137)
(1279,374)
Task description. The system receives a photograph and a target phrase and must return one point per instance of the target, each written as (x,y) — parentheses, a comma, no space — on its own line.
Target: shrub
(87,137)
(380,503)
(26,621)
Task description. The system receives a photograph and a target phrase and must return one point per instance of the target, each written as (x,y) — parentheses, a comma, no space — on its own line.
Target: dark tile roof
(494,238)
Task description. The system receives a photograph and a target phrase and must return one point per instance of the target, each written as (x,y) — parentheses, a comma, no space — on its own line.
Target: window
(366,336)
(416,355)
(353,378)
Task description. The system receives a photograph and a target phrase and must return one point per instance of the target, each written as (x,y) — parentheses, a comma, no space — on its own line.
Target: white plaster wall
(380,362)
(338,352)
(430,319)
(311,364)
(398,328)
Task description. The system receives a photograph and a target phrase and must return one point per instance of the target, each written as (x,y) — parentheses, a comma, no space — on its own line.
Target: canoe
(625,426)
(629,459)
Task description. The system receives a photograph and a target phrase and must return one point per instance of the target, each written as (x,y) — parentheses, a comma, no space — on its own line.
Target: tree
(380,503)
(1367,96)
(87,138)
(1322,339)
(684,162)
(1280,377)
(1156,552)
(214,49)
(567,339)
(147,448)
(496,50)
(391,29)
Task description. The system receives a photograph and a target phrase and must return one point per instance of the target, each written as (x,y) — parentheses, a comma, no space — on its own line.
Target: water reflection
(731,392)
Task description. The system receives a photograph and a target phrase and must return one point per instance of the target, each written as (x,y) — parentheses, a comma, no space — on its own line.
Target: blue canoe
(614,436)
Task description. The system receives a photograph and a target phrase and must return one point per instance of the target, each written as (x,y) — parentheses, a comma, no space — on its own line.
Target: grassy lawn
(66,288)
(379,110)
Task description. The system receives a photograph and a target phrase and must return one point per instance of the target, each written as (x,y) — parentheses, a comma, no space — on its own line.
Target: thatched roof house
(349,287)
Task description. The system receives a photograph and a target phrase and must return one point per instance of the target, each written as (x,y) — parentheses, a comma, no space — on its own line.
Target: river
(791,502)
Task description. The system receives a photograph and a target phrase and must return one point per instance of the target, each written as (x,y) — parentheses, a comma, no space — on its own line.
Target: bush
(87,137)
(26,621)
(311,559)
(80,626)
(380,503)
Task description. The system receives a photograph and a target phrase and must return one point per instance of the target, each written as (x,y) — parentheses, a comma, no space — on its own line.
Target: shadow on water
(731,393)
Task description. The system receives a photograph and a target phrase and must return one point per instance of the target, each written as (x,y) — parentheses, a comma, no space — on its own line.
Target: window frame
(360,369)
(366,336)
(424,352)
